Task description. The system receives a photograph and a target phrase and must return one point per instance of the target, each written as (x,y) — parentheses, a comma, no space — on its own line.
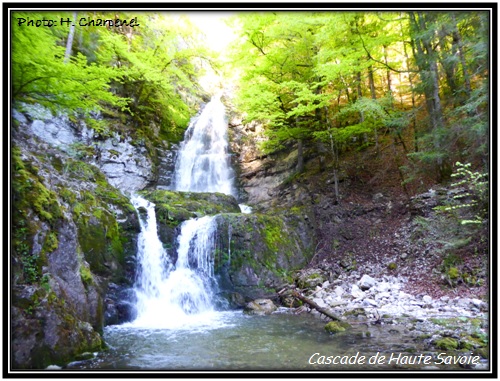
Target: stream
(233,340)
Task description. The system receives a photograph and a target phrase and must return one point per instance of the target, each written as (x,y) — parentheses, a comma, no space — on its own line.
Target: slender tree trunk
(388,72)
(449,66)
(457,39)
(71,36)
(371,79)
(374,96)
(335,156)
(428,69)
(396,160)
(358,84)
(413,103)
(300,156)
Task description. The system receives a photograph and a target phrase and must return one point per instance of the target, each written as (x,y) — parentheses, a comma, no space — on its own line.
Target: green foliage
(472,195)
(149,72)
(40,75)
(86,275)
(350,79)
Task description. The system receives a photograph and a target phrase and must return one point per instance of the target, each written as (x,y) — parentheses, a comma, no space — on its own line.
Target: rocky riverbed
(452,325)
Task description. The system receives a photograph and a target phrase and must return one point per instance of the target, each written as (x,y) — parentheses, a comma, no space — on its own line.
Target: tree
(40,74)
(276,72)
(149,72)
(331,78)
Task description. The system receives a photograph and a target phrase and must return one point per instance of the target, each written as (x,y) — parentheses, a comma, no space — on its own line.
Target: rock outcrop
(128,164)
(73,234)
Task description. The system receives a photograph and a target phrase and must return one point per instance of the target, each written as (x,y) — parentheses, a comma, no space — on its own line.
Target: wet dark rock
(264,250)
(81,233)
(260,307)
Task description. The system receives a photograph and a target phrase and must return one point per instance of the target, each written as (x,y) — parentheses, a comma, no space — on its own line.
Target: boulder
(366,282)
(260,307)
(310,278)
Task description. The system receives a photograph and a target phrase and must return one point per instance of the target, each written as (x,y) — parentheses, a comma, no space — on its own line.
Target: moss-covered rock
(73,234)
(447,343)
(258,252)
(172,207)
(336,327)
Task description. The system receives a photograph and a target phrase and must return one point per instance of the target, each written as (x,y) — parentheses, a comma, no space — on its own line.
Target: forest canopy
(149,72)
(350,80)
(416,80)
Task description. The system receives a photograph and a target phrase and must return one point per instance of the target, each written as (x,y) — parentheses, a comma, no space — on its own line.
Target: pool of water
(235,341)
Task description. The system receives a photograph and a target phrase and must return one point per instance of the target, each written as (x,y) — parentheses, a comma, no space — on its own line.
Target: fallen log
(316,307)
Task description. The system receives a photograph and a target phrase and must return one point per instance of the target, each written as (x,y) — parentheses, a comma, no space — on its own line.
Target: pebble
(356,292)
(366,282)
(339,291)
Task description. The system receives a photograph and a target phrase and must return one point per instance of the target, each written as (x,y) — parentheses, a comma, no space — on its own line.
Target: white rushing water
(180,295)
(204,162)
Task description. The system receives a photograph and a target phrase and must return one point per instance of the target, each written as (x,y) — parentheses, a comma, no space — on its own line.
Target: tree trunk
(374,96)
(300,156)
(457,39)
(428,70)
(71,36)
(335,157)
(388,72)
(325,312)
(413,103)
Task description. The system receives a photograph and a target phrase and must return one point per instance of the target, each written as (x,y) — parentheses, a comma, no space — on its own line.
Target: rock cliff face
(128,164)
(73,238)
(260,176)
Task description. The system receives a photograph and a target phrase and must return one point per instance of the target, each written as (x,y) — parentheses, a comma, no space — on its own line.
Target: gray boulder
(260,307)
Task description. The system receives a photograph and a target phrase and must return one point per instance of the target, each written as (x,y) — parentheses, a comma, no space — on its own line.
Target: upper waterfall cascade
(203,161)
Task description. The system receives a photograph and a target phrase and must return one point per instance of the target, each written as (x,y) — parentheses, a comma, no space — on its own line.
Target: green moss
(57,163)
(172,208)
(30,193)
(441,321)
(86,275)
(483,352)
(470,342)
(67,195)
(453,273)
(51,242)
(392,266)
(114,152)
(273,233)
(447,343)
(336,327)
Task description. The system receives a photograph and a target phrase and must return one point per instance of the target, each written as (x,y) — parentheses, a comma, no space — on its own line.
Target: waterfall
(180,294)
(203,161)
(173,296)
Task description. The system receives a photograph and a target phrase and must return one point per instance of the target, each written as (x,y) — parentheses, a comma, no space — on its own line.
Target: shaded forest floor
(379,228)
